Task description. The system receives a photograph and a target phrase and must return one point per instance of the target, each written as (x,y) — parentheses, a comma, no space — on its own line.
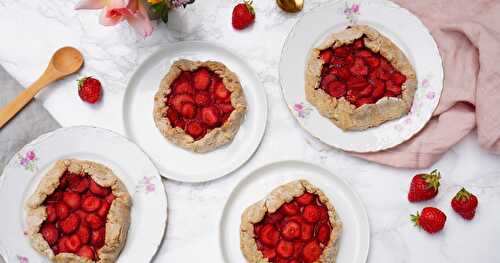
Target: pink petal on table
(90,4)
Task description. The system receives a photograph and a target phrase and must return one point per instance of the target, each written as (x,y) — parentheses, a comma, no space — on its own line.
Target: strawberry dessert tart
(295,223)
(359,79)
(199,105)
(80,212)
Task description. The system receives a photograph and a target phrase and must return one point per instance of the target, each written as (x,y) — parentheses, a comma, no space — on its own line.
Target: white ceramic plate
(393,21)
(355,239)
(24,171)
(174,162)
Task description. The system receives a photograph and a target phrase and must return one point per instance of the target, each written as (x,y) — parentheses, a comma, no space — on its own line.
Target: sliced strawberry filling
(76,216)
(358,74)
(198,102)
(297,232)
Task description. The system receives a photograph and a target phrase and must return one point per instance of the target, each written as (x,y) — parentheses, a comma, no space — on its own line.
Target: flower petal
(140,22)
(90,4)
(107,17)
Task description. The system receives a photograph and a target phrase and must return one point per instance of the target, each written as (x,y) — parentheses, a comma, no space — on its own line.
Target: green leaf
(164,15)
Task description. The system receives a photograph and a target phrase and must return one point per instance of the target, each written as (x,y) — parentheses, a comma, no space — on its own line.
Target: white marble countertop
(32,30)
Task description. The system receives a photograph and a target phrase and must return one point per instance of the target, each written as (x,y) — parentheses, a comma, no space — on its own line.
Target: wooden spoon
(291,6)
(64,62)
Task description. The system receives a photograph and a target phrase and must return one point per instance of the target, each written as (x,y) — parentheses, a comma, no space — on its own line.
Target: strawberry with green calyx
(465,204)
(424,186)
(431,220)
(89,89)
(243,15)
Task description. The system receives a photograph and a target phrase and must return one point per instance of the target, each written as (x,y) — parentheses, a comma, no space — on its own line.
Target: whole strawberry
(464,203)
(89,89)
(243,15)
(424,186)
(431,220)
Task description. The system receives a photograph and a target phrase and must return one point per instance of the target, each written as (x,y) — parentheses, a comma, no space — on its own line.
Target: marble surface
(32,30)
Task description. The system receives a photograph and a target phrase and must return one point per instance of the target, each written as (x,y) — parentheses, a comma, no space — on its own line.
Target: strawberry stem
(432,179)
(463,195)
(415,219)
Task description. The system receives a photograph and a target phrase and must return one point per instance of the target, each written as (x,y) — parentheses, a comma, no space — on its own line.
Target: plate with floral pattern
(24,171)
(402,28)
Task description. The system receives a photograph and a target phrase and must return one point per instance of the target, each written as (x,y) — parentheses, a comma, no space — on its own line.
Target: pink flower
(298,107)
(115,11)
(355,8)
(30,155)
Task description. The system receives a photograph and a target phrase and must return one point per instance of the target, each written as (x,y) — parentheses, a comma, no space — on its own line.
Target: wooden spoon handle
(14,106)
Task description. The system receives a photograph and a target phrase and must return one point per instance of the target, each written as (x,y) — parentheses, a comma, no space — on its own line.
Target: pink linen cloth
(468,36)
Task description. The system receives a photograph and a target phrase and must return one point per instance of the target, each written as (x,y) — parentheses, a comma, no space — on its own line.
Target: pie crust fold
(342,113)
(117,221)
(271,203)
(216,137)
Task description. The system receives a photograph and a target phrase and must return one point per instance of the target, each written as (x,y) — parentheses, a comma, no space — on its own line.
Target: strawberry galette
(295,223)
(80,212)
(359,79)
(200,105)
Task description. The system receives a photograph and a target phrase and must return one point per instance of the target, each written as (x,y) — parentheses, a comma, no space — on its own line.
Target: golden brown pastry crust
(215,137)
(342,113)
(272,202)
(118,219)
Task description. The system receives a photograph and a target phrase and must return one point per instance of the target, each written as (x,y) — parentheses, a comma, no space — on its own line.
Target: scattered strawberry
(201,79)
(72,199)
(431,220)
(86,252)
(70,224)
(99,190)
(465,204)
(89,89)
(243,15)
(284,248)
(91,203)
(49,233)
(94,221)
(291,230)
(424,186)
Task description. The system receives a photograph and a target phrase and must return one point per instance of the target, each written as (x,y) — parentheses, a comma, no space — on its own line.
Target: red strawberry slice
(195,129)
(336,89)
(305,199)
(172,116)
(324,214)
(269,236)
(291,230)
(80,186)
(73,243)
(183,87)
(297,249)
(201,79)
(72,199)
(379,90)
(386,66)
(337,63)
(357,83)
(342,51)
(62,210)
(273,218)
(61,245)
(83,233)
(70,224)
(311,251)
(289,209)
(103,210)
(364,53)
(51,213)
(398,78)
(226,108)
(326,55)
(367,91)
(94,221)
(393,88)
(55,197)
(359,43)
(324,233)
(86,252)
(307,232)
(326,80)
(202,98)
(188,110)
(82,214)
(352,96)
(185,76)
(220,92)
(359,68)
(99,190)
(257,228)
(349,60)
(344,73)
(179,100)
(311,213)
(373,62)
(49,233)
(362,101)
(268,253)
(210,116)
(97,237)
(284,248)
(109,198)
(91,203)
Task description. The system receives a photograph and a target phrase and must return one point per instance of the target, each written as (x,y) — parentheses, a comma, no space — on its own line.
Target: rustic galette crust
(118,219)
(345,115)
(217,136)
(271,203)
